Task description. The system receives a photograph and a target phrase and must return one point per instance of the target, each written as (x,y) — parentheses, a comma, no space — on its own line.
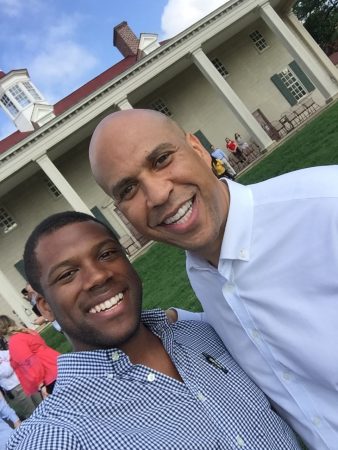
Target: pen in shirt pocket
(213,361)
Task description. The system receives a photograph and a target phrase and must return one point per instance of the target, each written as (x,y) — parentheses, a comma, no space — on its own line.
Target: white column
(300,53)
(124,104)
(62,184)
(306,37)
(11,296)
(231,98)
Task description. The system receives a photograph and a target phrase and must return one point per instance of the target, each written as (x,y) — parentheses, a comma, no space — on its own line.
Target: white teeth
(107,304)
(182,214)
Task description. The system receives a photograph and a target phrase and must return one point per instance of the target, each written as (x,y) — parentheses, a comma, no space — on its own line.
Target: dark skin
(82,267)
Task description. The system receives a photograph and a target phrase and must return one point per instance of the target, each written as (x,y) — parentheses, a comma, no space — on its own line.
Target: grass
(165,283)
(55,339)
(314,145)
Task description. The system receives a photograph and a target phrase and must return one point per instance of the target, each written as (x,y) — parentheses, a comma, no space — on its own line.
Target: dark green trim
(301,76)
(204,141)
(277,81)
(98,214)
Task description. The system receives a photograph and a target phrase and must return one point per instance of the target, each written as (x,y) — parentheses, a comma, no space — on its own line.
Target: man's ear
(196,145)
(45,309)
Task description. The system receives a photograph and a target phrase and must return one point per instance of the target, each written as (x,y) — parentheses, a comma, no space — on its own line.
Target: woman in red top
(34,363)
(233,148)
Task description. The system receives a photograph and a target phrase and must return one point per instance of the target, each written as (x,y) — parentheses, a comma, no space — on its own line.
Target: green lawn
(314,145)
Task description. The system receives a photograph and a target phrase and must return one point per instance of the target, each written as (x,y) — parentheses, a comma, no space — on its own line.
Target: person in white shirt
(262,259)
(12,389)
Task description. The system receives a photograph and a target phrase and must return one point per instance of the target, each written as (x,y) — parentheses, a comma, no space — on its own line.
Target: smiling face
(161,180)
(89,286)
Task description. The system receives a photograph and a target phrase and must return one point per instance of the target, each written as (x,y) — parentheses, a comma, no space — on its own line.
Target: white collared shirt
(274,298)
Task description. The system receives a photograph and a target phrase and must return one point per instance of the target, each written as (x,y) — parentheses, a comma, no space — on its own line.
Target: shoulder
(311,183)
(197,335)
(41,436)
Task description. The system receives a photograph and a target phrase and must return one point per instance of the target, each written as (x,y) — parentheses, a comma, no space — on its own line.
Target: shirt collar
(98,363)
(238,231)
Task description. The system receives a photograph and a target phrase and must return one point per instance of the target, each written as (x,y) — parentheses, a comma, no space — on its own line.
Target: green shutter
(301,76)
(203,140)
(99,216)
(20,268)
(277,81)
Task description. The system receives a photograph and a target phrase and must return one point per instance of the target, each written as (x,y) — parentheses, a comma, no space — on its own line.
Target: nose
(157,191)
(96,275)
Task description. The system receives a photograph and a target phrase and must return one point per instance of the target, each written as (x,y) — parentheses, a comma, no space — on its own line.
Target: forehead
(69,241)
(122,142)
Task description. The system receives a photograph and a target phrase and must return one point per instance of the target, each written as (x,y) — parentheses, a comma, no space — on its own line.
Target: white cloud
(58,63)
(60,67)
(15,8)
(180,14)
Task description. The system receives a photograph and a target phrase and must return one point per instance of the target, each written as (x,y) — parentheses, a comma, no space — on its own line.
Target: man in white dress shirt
(262,259)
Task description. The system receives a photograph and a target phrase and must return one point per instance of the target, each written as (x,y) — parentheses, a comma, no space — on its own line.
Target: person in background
(233,148)
(33,361)
(6,414)
(242,145)
(133,380)
(31,296)
(218,153)
(12,390)
(217,167)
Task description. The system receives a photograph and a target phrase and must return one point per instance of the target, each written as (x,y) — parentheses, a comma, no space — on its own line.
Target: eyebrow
(149,158)
(72,261)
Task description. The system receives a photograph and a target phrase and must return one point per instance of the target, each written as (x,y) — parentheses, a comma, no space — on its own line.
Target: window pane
(19,95)
(7,223)
(258,40)
(220,67)
(292,83)
(160,106)
(31,90)
(8,104)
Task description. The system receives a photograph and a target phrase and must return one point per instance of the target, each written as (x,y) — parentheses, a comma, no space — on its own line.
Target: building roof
(73,98)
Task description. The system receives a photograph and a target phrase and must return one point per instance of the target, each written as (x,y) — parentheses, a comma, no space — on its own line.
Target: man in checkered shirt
(134,381)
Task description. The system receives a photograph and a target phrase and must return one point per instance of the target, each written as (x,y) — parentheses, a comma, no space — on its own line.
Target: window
(19,95)
(31,90)
(292,84)
(9,105)
(220,67)
(160,106)
(52,188)
(258,40)
(7,223)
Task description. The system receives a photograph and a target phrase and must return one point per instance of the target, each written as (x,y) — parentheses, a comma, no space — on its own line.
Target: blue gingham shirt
(101,401)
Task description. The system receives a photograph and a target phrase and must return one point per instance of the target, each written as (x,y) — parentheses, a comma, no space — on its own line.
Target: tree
(320,18)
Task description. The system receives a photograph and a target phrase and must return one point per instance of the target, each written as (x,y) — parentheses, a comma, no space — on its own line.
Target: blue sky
(65,43)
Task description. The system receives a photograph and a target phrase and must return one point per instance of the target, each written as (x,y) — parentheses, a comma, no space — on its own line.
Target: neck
(212,251)
(147,349)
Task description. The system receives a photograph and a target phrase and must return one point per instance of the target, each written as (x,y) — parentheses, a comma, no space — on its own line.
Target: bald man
(262,259)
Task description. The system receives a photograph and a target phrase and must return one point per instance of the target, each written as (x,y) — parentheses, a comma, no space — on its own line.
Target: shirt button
(151,377)
(201,397)
(115,356)
(243,253)
(229,287)
(316,421)
(255,334)
(240,441)
(287,375)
